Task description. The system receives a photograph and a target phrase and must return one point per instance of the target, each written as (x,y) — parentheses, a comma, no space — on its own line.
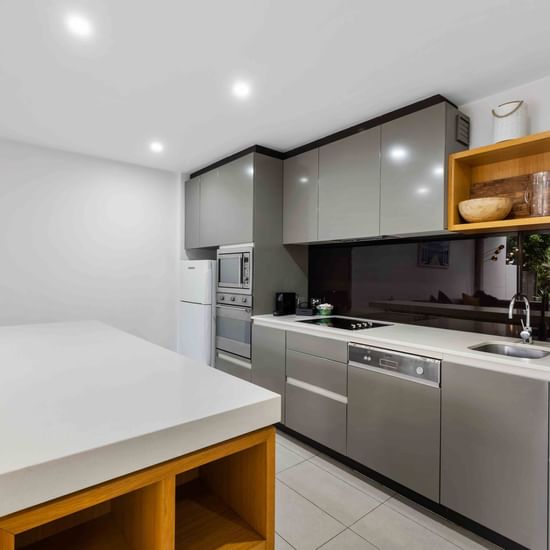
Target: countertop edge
(28,487)
(477,359)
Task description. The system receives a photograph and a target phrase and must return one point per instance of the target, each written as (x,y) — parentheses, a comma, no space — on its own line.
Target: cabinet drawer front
(241,368)
(324,373)
(317,417)
(321,347)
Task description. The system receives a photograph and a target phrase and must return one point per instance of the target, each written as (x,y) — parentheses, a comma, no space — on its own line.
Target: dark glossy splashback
(461,284)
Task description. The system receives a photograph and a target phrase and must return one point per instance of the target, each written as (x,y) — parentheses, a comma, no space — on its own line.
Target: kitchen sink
(523,351)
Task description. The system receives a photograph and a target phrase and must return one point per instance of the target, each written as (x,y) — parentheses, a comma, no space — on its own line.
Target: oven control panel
(234,299)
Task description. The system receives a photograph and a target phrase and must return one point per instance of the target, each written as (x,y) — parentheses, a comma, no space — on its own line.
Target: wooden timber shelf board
(501,169)
(98,534)
(205,522)
(225,499)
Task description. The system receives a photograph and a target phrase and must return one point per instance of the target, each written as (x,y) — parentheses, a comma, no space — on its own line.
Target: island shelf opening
(218,497)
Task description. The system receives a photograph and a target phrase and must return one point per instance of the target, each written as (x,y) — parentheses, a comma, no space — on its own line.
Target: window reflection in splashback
(461,284)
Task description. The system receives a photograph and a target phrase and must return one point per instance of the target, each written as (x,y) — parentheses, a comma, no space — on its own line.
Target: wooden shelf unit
(498,170)
(221,497)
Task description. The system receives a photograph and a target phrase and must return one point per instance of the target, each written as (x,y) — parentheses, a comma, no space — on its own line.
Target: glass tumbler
(537,196)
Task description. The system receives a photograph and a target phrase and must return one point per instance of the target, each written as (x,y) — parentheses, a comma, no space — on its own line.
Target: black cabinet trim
(371,123)
(253,149)
(361,127)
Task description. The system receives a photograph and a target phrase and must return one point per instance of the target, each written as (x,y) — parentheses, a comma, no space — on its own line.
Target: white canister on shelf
(510,120)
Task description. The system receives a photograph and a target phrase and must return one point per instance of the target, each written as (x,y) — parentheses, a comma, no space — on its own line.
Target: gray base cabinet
(316,389)
(394,428)
(234,365)
(268,360)
(494,451)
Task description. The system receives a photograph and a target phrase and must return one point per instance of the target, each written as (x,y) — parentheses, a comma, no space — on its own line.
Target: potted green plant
(536,260)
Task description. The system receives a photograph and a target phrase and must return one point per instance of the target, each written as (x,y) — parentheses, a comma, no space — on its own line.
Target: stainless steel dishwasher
(394,416)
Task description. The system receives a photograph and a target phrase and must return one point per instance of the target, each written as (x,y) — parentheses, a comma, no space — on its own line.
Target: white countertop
(82,403)
(449,345)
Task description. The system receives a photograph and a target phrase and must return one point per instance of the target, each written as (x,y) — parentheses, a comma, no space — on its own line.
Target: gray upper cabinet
(235,214)
(301,198)
(413,172)
(226,199)
(210,204)
(494,451)
(349,187)
(192,212)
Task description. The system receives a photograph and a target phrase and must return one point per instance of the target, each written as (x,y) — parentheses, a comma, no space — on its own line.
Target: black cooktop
(345,323)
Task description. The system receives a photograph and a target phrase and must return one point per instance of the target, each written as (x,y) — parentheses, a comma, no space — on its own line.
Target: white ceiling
(163,69)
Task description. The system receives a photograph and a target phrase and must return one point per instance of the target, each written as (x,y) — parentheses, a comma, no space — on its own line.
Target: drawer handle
(316,389)
(234,360)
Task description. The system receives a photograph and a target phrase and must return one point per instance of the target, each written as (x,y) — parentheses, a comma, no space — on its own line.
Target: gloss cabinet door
(301,197)
(349,187)
(235,212)
(268,360)
(413,170)
(192,213)
(494,451)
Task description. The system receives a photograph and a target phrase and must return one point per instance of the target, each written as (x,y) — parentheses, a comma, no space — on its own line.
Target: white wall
(85,238)
(537,96)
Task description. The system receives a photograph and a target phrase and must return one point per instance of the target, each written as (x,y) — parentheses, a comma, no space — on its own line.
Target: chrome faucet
(526,333)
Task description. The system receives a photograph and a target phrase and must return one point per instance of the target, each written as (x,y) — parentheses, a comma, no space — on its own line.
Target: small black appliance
(285,303)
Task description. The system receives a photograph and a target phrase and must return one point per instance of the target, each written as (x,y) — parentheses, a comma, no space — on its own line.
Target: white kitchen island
(98,426)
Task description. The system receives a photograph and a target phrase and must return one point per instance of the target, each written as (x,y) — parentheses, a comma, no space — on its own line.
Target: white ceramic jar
(510,120)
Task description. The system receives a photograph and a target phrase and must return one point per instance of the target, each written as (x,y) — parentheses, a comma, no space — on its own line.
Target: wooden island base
(219,497)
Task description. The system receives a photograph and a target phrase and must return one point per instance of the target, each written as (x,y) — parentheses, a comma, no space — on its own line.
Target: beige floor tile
(281,544)
(348,540)
(295,446)
(359,481)
(301,523)
(389,530)
(285,458)
(333,495)
(446,529)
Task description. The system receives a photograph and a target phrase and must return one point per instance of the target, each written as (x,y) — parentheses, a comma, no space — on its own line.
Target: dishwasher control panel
(404,365)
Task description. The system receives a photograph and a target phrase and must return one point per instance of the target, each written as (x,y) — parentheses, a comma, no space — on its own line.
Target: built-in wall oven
(235,269)
(234,310)
(234,324)
(233,334)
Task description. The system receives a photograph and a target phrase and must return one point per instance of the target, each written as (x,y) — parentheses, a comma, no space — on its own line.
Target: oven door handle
(234,312)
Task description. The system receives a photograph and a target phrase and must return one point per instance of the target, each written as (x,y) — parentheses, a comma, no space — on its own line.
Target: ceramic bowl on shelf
(485,209)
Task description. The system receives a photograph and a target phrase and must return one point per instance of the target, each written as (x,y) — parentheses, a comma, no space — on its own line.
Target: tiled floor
(323,504)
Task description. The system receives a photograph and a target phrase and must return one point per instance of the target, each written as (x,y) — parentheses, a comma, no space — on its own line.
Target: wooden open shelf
(221,497)
(204,522)
(501,169)
(98,534)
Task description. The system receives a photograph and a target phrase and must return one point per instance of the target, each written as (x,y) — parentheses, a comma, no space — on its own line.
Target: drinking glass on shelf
(537,196)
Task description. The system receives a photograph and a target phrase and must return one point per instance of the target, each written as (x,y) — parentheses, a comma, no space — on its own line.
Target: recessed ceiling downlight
(241,89)
(156,146)
(79,25)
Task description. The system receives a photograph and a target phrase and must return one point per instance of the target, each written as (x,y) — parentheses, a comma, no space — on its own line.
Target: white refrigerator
(196,327)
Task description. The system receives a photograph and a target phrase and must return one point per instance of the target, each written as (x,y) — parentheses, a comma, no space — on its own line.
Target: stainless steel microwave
(235,269)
